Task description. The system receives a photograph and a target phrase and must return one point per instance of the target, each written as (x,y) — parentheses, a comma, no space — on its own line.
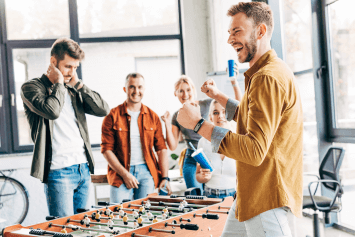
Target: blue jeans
(215,193)
(146,185)
(189,172)
(67,189)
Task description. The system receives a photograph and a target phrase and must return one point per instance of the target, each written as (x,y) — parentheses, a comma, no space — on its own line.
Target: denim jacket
(43,103)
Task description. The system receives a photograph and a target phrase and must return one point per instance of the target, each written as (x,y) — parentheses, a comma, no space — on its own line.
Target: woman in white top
(222,181)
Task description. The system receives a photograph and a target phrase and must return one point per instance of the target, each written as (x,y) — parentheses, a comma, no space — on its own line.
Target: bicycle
(14,202)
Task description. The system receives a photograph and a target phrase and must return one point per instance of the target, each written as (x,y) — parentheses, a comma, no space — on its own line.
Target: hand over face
(210,88)
(189,115)
(74,80)
(54,75)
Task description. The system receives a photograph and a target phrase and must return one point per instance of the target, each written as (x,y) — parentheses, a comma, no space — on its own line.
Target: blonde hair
(187,80)
(210,112)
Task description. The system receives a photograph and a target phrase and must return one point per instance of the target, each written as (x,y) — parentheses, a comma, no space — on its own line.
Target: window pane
(222,51)
(28,64)
(104,18)
(310,138)
(342,38)
(106,66)
(297,28)
(347,173)
(298,52)
(40,19)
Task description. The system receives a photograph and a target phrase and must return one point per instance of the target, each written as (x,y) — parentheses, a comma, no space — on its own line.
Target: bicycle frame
(3,186)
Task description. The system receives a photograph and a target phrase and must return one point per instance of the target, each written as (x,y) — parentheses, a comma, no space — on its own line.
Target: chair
(329,178)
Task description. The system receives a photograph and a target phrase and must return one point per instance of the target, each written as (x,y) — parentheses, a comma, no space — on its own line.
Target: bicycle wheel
(13,202)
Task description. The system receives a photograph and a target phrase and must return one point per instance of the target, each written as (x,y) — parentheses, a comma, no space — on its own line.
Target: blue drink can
(231,68)
(202,159)
(163,192)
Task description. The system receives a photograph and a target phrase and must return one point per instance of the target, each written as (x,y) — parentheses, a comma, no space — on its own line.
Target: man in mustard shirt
(268,142)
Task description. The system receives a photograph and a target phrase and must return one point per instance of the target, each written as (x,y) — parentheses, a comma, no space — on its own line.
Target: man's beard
(251,48)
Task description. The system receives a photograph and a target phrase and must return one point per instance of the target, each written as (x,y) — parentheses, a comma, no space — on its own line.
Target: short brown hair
(260,12)
(67,46)
(133,75)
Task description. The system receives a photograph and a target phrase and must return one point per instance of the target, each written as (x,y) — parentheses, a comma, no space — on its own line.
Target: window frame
(8,121)
(323,73)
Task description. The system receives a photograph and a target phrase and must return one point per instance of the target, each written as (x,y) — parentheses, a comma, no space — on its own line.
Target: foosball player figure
(110,223)
(135,224)
(111,215)
(135,214)
(149,215)
(120,206)
(155,220)
(147,204)
(121,212)
(125,219)
(97,215)
(86,221)
(63,230)
(181,207)
(165,210)
(164,215)
(141,210)
(107,211)
(140,220)
(184,202)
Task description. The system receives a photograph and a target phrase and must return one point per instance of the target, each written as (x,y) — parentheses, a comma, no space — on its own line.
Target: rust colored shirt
(268,143)
(116,137)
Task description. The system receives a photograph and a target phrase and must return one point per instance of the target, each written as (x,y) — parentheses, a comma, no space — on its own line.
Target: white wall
(197,46)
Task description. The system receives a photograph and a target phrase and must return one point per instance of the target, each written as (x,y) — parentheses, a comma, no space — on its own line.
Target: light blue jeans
(189,172)
(67,189)
(272,223)
(145,187)
(213,193)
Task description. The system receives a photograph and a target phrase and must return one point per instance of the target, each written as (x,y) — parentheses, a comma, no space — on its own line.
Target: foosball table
(151,216)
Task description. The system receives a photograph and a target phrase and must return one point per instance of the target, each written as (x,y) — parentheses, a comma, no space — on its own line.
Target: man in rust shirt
(129,134)
(268,142)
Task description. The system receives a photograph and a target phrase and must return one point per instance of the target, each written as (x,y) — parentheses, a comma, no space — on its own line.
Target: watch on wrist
(167,178)
(198,125)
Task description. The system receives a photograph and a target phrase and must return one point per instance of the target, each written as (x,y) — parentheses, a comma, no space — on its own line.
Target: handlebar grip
(189,226)
(210,216)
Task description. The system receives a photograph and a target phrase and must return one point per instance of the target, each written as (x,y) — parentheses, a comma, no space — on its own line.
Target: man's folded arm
(36,98)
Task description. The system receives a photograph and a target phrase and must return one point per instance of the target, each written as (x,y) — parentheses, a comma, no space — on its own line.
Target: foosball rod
(138,235)
(208,216)
(217,211)
(223,207)
(46,232)
(183,226)
(161,208)
(83,228)
(174,203)
(161,230)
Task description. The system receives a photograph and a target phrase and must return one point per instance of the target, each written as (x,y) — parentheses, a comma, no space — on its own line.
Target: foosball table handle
(81,210)
(49,218)
(208,216)
(189,226)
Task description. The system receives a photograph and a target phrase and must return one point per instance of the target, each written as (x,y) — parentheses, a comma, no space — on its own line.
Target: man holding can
(268,142)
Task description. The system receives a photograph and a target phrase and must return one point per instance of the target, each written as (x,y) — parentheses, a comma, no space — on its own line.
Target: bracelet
(198,125)
(234,85)
(167,178)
